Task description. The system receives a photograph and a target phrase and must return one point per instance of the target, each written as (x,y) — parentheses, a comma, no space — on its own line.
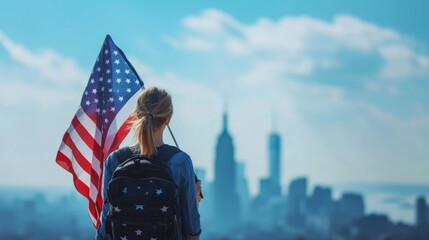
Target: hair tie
(150,115)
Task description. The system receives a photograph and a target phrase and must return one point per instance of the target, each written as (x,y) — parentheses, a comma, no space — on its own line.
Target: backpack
(143,198)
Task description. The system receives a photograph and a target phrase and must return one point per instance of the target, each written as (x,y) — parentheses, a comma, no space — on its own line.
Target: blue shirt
(182,172)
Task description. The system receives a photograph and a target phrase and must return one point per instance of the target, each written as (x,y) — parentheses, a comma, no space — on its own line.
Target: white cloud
(211,21)
(303,43)
(13,93)
(48,62)
(45,79)
(401,62)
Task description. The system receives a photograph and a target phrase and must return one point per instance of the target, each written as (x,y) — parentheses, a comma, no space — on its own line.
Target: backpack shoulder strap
(124,153)
(167,153)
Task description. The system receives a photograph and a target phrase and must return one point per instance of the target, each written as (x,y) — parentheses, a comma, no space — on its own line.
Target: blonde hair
(154,108)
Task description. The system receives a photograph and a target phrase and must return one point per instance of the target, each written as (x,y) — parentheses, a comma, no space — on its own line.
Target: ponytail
(153,109)
(147,140)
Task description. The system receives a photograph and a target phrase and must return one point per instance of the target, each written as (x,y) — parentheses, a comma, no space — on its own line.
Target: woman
(153,111)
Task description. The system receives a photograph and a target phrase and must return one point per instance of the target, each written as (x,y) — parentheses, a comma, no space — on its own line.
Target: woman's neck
(157,138)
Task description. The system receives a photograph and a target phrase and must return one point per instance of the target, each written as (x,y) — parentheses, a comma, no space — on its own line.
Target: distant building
(421,212)
(298,189)
(274,143)
(321,200)
(267,188)
(351,206)
(242,189)
(297,202)
(226,207)
(372,226)
(320,209)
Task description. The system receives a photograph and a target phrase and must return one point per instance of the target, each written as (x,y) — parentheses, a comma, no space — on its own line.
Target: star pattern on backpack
(164,209)
(149,195)
(139,207)
(158,191)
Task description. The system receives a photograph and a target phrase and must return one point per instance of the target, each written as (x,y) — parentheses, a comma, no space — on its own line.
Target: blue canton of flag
(112,83)
(102,121)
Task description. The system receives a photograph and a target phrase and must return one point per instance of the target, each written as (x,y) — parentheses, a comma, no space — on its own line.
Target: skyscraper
(274,161)
(421,212)
(226,205)
(242,189)
(297,198)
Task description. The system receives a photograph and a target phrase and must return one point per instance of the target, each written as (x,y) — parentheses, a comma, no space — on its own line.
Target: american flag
(102,121)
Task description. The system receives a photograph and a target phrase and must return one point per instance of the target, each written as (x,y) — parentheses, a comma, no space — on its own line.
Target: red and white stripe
(83,152)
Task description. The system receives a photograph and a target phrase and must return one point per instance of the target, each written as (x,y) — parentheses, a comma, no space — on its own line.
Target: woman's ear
(167,121)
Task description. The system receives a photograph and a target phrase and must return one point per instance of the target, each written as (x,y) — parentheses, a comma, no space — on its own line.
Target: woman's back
(153,113)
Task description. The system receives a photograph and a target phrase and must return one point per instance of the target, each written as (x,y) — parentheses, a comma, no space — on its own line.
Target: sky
(345,83)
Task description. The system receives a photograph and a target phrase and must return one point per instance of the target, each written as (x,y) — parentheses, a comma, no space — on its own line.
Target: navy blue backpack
(143,198)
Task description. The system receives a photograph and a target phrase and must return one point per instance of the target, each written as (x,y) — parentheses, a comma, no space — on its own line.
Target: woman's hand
(199,191)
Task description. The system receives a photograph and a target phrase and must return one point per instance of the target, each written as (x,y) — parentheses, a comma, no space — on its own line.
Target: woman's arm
(190,216)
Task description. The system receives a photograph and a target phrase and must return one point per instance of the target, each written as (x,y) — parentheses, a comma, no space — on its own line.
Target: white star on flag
(124,238)
(117,209)
(138,232)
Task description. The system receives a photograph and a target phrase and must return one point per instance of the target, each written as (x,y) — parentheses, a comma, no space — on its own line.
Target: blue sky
(345,82)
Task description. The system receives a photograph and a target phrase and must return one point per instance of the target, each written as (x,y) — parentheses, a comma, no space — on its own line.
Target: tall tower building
(226,205)
(274,143)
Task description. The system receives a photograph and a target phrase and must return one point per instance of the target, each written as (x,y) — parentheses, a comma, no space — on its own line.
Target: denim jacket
(182,171)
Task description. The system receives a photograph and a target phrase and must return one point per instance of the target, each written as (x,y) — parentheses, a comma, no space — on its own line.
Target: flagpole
(169,129)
